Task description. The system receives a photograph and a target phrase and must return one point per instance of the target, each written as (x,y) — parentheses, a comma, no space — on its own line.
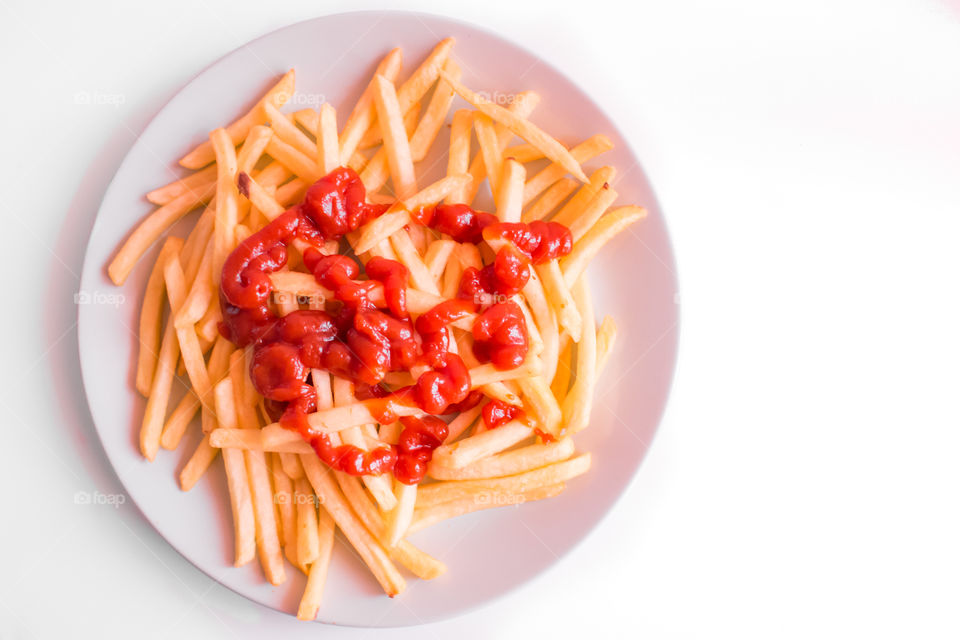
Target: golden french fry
(579,401)
(510,191)
(602,232)
(166,193)
(550,200)
(509,463)
(489,149)
(395,140)
(203,456)
(153,227)
(468,450)
(584,151)
(317,577)
(364,114)
(440,492)
(151,316)
(429,516)
(522,127)
(328,145)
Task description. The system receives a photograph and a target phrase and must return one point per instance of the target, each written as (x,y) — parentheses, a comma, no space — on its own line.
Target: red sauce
(497,413)
(500,336)
(420,436)
(360,342)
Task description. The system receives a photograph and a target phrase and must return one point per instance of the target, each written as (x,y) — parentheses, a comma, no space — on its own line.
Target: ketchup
(497,413)
(356,340)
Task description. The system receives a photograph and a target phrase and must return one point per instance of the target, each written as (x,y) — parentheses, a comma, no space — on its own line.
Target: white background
(804,481)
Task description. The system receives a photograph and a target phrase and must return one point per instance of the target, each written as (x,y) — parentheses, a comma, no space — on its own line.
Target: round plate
(490,552)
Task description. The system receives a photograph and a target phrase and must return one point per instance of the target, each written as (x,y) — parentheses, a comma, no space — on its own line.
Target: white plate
(490,552)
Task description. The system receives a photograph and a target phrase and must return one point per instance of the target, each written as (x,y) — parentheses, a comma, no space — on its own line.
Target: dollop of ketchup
(360,342)
(497,413)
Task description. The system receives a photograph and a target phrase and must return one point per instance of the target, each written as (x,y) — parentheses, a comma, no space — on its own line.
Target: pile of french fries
(284,500)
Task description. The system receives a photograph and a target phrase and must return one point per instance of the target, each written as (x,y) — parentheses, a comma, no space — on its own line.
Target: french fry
(429,516)
(602,232)
(437,256)
(489,149)
(293,159)
(419,563)
(575,205)
(241,499)
(364,114)
(151,427)
(366,546)
(259,197)
(395,140)
(151,316)
(521,127)
(308,533)
(458,157)
(510,191)
(592,147)
(560,299)
(597,206)
(166,193)
(434,115)
(289,132)
(328,145)
(253,147)
(463,452)
(152,227)
(577,405)
(509,463)
(398,518)
(203,456)
(550,200)
(434,494)
(317,577)
(522,106)
(414,87)
(276,96)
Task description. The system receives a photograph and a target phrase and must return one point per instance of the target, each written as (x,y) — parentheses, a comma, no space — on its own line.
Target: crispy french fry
(366,546)
(578,403)
(509,463)
(395,140)
(559,297)
(602,232)
(152,227)
(328,145)
(166,193)
(434,494)
(364,114)
(522,127)
(276,96)
(414,87)
(550,199)
(458,157)
(317,577)
(434,115)
(151,316)
(308,538)
(203,456)
(489,149)
(510,191)
(584,151)
(398,518)
(293,159)
(241,500)
(289,132)
(468,450)
(432,515)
